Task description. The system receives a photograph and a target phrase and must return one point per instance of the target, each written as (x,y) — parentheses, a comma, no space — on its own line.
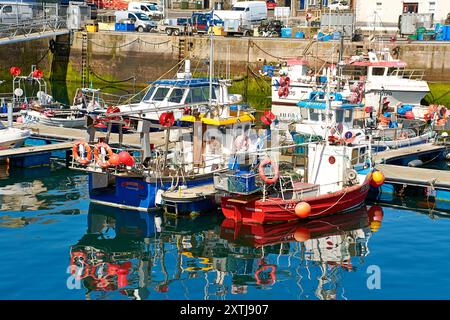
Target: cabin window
(378,71)
(144,8)
(176,95)
(348,115)
(199,94)
(160,94)
(149,93)
(362,154)
(392,71)
(304,113)
(339,116)
(7,9)
(313,115)
(355,156)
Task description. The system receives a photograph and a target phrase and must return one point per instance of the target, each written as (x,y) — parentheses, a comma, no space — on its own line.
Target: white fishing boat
(56,118)
(182,91)
(386,79)
(12,137)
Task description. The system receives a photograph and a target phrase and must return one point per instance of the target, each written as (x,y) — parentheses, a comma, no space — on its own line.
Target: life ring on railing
(103,164)
(266,268)
(283,92)
(263,176)
(77,157)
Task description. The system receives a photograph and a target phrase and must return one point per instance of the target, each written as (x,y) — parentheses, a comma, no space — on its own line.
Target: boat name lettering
(132,185)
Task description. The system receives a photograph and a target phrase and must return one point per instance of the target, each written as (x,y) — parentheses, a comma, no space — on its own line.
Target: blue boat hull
(136,194)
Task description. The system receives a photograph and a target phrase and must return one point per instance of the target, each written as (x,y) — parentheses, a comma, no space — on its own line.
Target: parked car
(271,4)
(243,17)
(339,5)
(141,21)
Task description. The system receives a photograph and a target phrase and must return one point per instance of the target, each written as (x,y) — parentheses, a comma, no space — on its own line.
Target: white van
(141,21)
(149,8)
(253,11)
(243,17)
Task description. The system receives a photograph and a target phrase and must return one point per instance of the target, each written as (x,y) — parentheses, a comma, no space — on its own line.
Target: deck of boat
(383,156)
(413,176)
(188,194)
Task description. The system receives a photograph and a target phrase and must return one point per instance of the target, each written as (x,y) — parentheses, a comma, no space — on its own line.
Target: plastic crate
(243,183)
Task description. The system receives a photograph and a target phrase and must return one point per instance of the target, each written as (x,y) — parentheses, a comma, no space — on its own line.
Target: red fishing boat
(338,179)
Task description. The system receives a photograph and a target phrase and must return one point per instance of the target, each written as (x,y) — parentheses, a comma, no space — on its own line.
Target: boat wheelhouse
(181,92)
(387,80)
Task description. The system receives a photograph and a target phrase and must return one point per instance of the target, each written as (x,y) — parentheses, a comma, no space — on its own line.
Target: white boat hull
(13,137)
(34,116)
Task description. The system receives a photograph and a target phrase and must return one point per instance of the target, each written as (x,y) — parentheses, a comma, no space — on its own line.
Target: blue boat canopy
(194,82)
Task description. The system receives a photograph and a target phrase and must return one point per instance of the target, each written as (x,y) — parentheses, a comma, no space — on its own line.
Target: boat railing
(412,74)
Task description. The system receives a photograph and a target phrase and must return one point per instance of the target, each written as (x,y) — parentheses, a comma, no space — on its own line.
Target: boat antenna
(211,53)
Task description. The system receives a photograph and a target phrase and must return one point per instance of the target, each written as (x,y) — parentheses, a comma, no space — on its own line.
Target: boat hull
(134,193)
(274,210)
(34,116)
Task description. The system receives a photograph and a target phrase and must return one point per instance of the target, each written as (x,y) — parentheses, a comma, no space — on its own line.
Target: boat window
(355,156)
(339,116)
(149,93)
(348,115)
(378,71)
(176,95)
(362,154)
(199,94)
(304,113)
(314,115)
(160,94)
(393,71)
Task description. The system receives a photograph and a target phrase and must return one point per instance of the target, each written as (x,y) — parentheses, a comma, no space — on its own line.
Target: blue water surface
(55,244)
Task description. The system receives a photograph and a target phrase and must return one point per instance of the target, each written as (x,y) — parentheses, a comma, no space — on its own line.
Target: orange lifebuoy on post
(103,164)
(77,157)
(266,267)
(263,176)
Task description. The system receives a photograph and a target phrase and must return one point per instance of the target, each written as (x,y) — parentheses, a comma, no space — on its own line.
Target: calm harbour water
(47,225)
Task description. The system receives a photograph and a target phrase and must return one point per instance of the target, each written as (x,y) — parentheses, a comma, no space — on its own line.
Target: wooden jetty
(419,177)
(417,150)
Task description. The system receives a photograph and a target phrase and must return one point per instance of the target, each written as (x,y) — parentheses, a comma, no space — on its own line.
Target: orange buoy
(302,234)
(302,210)
(377,179)
(114,160)
(126,159)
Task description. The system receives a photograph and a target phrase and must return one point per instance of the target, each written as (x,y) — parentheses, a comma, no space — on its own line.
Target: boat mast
(211,54)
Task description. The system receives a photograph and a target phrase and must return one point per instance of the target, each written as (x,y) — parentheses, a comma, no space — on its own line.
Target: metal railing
(24,19)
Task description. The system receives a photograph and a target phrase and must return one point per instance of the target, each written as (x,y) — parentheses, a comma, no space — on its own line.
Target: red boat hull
(258,235)
(278,210)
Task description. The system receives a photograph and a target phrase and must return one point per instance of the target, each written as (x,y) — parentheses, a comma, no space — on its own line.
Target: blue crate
(286,32)
(242,182)
(299,35)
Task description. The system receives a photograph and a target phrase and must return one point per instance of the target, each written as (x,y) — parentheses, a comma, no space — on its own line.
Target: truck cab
(151,9)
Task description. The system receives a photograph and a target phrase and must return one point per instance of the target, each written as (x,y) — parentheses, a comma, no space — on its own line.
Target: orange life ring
(76,156)
(263,175)
(266,267)
(403,135)
(103,164)
(283,92)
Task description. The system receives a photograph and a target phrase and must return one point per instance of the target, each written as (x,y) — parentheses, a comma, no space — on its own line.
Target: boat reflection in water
(325,245)
(140,255)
